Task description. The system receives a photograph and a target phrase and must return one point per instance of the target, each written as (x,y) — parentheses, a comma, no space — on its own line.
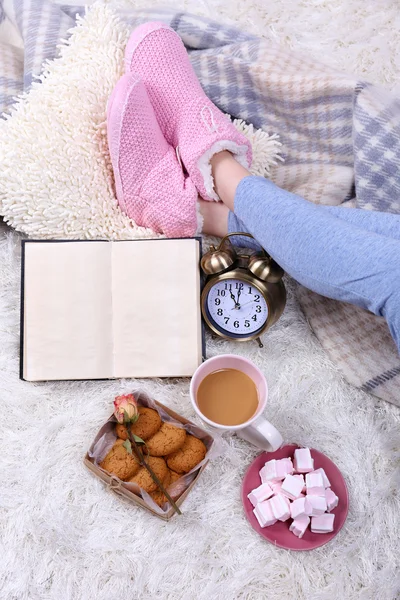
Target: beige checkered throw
(358,342)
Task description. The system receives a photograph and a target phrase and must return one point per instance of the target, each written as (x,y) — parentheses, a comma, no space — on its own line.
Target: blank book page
(67,311)
(156,308)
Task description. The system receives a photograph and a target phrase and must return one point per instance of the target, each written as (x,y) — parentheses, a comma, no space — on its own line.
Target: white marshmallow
(327,483)
(315,484)
(284,467)
(301,478)
(331,499)
(264,515)
(269,472)
(291,487)
(263,492)
(280,507)
(303,461)
(318,504)
(276,470)
(276,487)
(322,524)
(299,526)
(300,508)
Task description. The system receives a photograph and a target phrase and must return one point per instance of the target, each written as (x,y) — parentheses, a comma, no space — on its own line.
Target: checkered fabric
(358,342)
(341,137)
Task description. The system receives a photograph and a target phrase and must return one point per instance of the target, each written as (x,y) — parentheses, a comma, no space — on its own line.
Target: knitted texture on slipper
(151,187)
(188,119)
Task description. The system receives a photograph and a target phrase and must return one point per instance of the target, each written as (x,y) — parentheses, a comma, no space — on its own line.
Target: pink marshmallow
(318,504)
(327,483)
(276,470)
(301,478)
(264,515)
(315,484)
(291,487)
(269,472)
(331,499)
(280,507)
(276,487)
(303,461)
(322,524)
(300,508)
(263,492)
(299,526)
(284,467)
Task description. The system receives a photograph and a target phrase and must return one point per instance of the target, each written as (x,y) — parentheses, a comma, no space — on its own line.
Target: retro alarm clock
(244,293)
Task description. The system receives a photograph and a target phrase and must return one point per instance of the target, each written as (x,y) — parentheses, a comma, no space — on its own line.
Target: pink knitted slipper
(188,119)
(150,184)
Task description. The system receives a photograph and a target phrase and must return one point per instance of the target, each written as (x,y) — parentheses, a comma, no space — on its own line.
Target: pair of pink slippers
(158,119)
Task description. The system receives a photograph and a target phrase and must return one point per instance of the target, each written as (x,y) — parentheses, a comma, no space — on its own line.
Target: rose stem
(142,461)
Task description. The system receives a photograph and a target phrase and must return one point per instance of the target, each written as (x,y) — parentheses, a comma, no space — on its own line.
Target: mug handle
(263,434)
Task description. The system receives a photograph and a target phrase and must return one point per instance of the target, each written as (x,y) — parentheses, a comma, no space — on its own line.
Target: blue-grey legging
(348,254)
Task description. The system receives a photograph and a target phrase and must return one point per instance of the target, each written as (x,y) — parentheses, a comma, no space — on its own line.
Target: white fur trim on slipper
(204,165)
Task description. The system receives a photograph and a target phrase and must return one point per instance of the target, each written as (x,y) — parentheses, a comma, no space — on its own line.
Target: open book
(100,309)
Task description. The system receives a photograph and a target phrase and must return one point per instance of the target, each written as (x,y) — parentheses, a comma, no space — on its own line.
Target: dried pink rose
(126,409)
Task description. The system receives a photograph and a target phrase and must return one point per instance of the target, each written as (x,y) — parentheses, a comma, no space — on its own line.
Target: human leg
(386,224)
(228,174)
(215,218)
(328,255)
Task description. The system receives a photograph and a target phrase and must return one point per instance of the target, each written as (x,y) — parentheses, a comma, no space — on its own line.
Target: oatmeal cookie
(188,456)
(148,423)
(158,496)
(143,477)
(119,462)
(167,479)
(167,439)
(174,476)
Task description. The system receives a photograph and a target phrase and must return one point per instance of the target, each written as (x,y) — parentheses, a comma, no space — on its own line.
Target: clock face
(236,308)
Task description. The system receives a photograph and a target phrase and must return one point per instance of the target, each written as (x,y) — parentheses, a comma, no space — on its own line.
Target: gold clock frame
(273,293)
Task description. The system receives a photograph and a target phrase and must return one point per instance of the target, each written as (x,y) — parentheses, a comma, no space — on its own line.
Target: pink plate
(279,533)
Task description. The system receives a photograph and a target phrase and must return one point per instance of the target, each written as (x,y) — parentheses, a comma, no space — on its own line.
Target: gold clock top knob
(217,261)
(265,268)
(276,272)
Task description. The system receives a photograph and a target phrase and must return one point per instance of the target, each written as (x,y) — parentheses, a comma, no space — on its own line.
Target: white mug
(256,430)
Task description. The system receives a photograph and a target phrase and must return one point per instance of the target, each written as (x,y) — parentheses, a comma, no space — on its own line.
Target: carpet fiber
(65,537)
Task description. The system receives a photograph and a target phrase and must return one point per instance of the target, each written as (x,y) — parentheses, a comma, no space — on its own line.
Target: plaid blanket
(340,136)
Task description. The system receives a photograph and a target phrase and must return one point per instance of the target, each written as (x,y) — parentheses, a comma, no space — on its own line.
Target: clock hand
(233,298)
(241,305)
(249,302)
(237,305)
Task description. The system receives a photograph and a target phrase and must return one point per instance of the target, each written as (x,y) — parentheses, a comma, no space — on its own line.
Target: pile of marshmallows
(280,495)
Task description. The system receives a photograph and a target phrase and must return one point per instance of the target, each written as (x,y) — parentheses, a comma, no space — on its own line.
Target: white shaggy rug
(63,536)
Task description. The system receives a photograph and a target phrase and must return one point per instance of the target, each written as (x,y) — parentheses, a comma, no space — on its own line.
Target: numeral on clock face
(236,307)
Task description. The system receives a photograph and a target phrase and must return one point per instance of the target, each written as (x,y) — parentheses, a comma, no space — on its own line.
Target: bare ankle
(227,173)
(215,218)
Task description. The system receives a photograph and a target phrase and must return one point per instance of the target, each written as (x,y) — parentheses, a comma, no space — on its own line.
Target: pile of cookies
(171,452)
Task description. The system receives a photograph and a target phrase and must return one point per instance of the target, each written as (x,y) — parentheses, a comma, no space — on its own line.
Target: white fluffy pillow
(57,179)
